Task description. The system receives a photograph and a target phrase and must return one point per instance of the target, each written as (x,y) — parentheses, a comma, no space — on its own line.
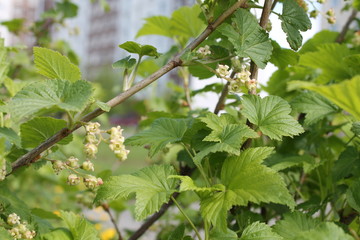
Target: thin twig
(343,32)
(263,22)
(112,219)
(29,157)
(221,102)
(150,221)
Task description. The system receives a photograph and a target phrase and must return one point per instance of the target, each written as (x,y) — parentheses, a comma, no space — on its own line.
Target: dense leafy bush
(284,166)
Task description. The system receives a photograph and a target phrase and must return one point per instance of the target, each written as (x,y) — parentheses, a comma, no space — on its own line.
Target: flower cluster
(19,230)
(355,41)
(117,143)
(3,172)
(92,140)
(203,51)
(314,13)
(331,16)
(223,71)
(241,78)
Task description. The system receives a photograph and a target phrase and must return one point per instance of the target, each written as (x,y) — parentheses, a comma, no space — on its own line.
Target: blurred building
(95,34)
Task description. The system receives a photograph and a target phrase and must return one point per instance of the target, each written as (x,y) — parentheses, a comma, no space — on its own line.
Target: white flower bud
(3,171)
(73,179)
(15,233)
(251,84)
(13,219)
(29,234)
(73,162)
(92,128)
(90,138)
(90,181)
(58,166)
(203,51)
(88,166)
(122,154)
(330,12)
(235,86)
(91,150)
(100,181)
(222,70)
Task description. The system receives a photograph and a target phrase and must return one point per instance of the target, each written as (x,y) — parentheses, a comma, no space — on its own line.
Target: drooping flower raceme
(117,143)
(19,230)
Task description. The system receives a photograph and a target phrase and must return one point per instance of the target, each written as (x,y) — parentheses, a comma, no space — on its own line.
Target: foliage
(281,166)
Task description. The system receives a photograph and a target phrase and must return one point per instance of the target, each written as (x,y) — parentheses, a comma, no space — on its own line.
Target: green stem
(199,167)
(133,75)
(206,226)
(71,119)
(261,7)
(187,217)
(352,138)
(2,120)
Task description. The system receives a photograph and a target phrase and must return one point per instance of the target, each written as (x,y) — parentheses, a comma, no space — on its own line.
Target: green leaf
(50,96)
(185,22)
(4,234)
(294,224)
(325,231)
(157,25)
(10,135)
(214,208)
(2,167)
(329,59)
(314,105)
(178,233)
(224,130)
(103,106)
(68,9)
(53,65)
(162,132)
(214,148)
(246,180)
(271,115)
(355,128)
(44,214)
(79,227)
(348,163)
(187,184)
(4,65)
(39,129)
(344,94)
(58,234)
(15,25)
(151,186)
(259,231)
(253,181)
(294,19)
(352,62)
(282,57)
(126,63)
(280,163)
(217,234)
(248,38)
(142,50)
(353,195)
(320,38)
